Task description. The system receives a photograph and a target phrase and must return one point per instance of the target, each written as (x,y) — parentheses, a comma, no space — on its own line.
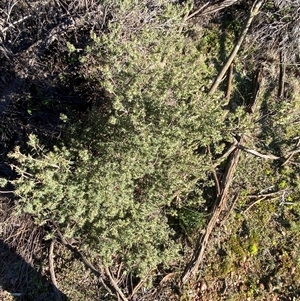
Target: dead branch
(259,200)
(57,294)
(215,176)
(199,10)
(272,157)
(254,11)
(139,285)
(233,203)
(86,262)
(207,9)
(114,284)
(220,205)
(221,200)
(226,154)
(256,84)
(281,34)
(258,154)
(292,153)
(282,68)
(265,195)
(229,85)
(15,23)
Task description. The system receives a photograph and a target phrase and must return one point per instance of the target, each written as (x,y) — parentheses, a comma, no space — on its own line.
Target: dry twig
(282,69)
(199,10)
(292,153)
(254,11)
(114,284)
(197,257)
(229,85)
(86,262)
(257,201)
(57,294)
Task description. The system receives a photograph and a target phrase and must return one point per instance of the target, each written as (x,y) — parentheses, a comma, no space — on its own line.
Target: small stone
(243,288)
(261,286)
(203,286)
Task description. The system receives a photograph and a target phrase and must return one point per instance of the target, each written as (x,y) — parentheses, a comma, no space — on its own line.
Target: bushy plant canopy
(113,184)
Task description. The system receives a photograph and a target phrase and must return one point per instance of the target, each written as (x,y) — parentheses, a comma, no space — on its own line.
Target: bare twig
(256,84)
(199,10)
(292,153)
(258,154)
(271,157)
(114,284)
(229,85)
(220,204)
(259,200)
(139,285)
(86,262)
(282,68)
(254,11)
(15,23)
(265,195)
(57,294)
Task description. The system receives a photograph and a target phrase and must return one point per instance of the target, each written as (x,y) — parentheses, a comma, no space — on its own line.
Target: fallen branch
(257,201)
(14,23)
(220,205)
(207,9)
(229,85)
(258,154)
(254,11)
(256,84)
(292,153)
(271,157)
(282,71)
(86,262)
(114,284)
(139,285)
(57,294)
(233,203)
(199,10)
(226,154)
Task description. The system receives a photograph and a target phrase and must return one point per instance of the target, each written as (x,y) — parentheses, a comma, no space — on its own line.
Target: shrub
(127,166)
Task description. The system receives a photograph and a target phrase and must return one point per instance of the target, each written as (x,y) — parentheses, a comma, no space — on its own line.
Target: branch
(256,84)
(198,11)
(220,204)
(262,197)
(254,11)
(15,23)
(271,157)
(258,154)
(114,284)
(282,71)
(207,9)
(226,154)
(292,153)
(57,294)
(86,262)
(229,85)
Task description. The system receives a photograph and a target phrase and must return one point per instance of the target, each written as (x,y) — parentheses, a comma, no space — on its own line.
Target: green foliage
(112,184)
(190,220)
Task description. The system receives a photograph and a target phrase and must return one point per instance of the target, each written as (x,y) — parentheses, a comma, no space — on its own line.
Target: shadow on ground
(21,282)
